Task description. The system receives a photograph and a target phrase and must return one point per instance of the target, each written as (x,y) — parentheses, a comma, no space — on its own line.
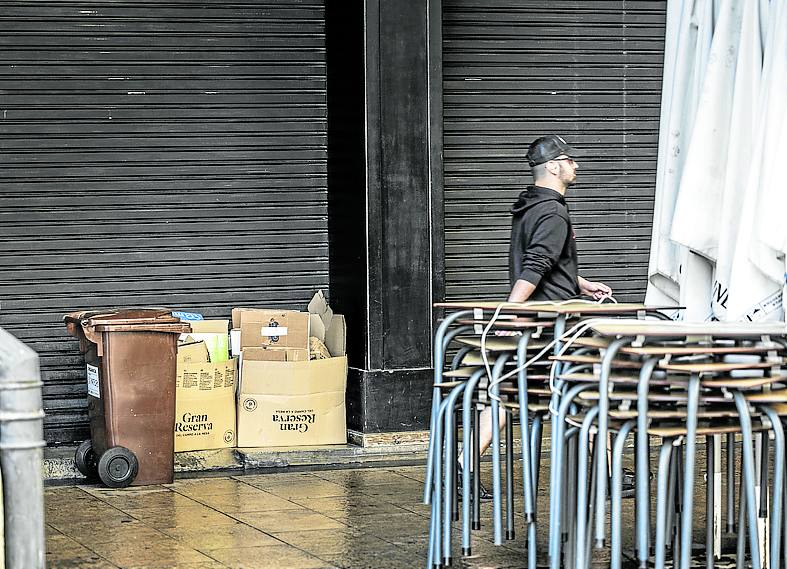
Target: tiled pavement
(370,517)
(355,518)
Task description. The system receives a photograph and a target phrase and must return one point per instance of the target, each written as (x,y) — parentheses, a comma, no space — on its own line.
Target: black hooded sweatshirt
(543,248)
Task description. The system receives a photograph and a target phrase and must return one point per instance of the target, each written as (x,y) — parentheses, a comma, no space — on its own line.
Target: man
(542,257)
(542,261)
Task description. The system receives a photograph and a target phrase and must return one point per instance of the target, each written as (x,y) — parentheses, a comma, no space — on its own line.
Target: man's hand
(594,289)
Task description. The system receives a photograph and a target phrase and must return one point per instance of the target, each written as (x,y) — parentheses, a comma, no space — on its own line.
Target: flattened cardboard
(210,326)
(320,315)
(273,354)
(236,315)
(292,403)
(336,336)
(214,334)
(285,329)
(316,327)
(205,405)
(193,353)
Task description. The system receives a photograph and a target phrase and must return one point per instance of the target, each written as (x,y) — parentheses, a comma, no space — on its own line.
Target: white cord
(577,330)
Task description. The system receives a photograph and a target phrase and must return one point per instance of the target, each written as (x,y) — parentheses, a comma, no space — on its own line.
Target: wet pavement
(362,517)
(352,517)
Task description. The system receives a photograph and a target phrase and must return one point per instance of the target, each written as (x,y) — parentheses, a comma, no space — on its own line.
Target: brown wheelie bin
(130,356)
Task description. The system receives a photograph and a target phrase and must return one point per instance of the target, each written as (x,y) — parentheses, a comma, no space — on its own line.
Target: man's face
(567,172)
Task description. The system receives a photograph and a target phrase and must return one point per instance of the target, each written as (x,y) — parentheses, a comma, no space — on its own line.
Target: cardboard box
(292,403)
(205,403)
(279,328)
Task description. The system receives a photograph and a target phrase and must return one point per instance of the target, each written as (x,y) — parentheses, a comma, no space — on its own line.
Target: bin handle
(95,337)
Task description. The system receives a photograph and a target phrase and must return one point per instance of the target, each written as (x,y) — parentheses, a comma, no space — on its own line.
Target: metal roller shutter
(516,69)
(156,153)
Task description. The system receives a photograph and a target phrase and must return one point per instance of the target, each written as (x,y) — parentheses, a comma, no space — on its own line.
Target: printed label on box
(93,382)
(273,331)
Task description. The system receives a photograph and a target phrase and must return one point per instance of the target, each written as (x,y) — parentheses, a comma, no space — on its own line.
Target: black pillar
(385,196)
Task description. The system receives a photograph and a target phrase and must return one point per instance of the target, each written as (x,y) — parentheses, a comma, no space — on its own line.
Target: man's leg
(485,430)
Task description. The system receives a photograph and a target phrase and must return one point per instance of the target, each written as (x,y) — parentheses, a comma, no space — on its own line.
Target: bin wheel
(85,458)
(118,467)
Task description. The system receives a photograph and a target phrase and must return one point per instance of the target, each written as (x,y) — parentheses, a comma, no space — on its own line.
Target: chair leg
(778,485)
(662,502)
(764,450)
(455,485)
(747,455)
(710,560)
(642,451)
(688,476)
(535,468)
(476,470)
(582,510)
(497,475)
(597,449)
(617,494)
(469,436)
(441,338)
(450,470)
(740,555)
(677,501)
(437,482)
(603,423)
(524,430)
(556,475)
(509,476)
(730,483)
(569,543)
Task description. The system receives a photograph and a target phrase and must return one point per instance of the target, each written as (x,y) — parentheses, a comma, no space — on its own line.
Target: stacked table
(654,378)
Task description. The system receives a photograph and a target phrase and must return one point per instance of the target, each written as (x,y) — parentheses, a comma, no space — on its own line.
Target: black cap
(548,147)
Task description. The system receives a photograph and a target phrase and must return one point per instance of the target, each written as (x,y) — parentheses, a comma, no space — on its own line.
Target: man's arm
(541,254)
(521,291)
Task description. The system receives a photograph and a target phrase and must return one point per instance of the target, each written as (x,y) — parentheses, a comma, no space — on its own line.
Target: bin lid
(144,317)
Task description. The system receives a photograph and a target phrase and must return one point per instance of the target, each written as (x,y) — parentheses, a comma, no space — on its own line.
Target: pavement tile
(207,564)
(292,520)
(415,472)
(98,529)
(386,559)
(313,488)
(201,487)
(388,526)
(108,494)
(220,537)
(255,500)
(277,556)
(344,508)
(91,561)
(332,542)
(60,547)
(360,477)
(164,500)
(128,533)
(275,478)
(159,553)
(200,516)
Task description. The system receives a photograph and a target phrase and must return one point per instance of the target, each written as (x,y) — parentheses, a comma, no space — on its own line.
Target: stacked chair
(623,372)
